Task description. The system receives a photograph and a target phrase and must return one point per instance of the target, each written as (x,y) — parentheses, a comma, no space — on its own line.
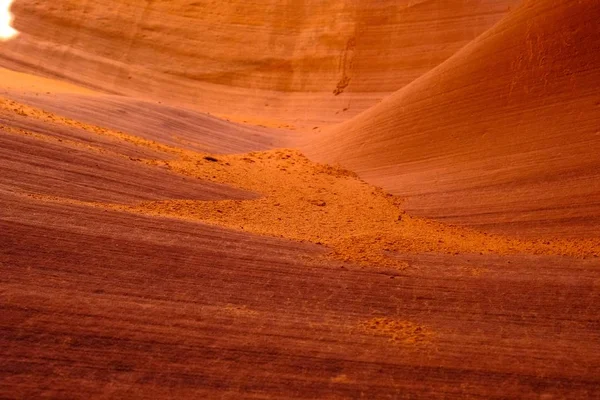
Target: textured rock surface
(101,303)
(134,264)
(506,131)
(265,59)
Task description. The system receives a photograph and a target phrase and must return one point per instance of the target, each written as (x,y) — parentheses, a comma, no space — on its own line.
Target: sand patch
(399,332)
(328,205)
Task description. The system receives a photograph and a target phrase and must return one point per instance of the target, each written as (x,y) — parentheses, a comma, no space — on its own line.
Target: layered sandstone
(504,132)
(262,61)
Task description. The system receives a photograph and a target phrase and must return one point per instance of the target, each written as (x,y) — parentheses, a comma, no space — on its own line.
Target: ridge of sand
(48,117)
(310,202)
(45,154)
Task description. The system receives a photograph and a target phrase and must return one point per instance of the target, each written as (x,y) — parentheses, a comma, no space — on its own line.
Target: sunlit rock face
(6,18)
(293,61)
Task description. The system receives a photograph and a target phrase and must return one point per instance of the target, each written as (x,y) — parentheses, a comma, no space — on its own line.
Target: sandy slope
(42,154)
(265,59)
(507,131)
(119,296)
(293,197)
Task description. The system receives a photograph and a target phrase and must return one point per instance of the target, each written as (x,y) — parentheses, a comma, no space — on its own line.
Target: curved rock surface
(264,61)
(114,302)
(152,251)
(505,134)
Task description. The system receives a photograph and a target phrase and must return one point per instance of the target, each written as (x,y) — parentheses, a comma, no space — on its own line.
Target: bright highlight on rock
(6,30)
